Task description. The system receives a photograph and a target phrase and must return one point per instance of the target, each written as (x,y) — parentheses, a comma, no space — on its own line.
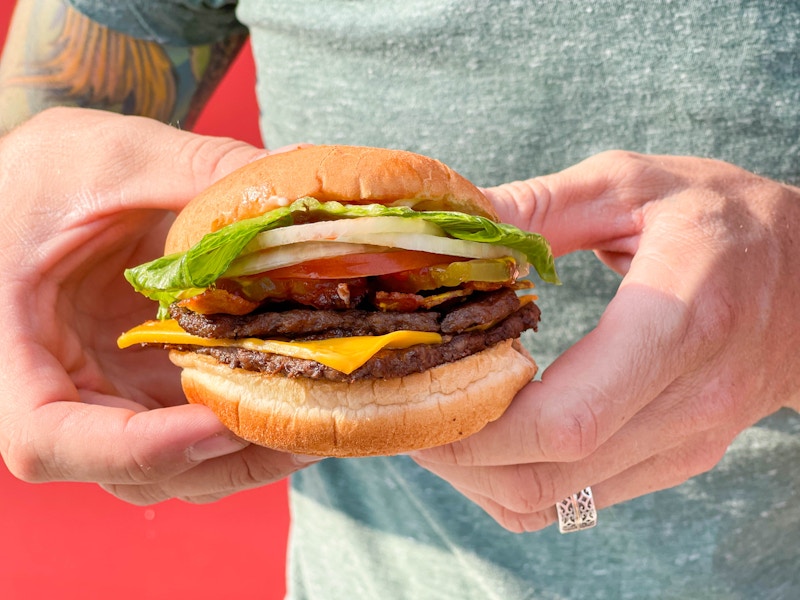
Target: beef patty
(387,363)
(299,323)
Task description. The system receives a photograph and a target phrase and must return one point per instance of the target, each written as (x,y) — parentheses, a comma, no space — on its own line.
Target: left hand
(699,343)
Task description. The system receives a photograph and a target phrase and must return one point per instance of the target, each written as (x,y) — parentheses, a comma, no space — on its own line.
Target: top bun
(348,174)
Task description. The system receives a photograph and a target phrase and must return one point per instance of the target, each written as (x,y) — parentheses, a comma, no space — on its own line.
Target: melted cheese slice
(343,354)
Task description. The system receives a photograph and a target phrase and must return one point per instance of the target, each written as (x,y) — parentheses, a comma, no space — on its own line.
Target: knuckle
(42,124)
(461,453)
(506,518)
(522,522)
(632,174)
(536,522)
(25,460)
(706,456)
(142,458)
(140,471)
(35,138)
(570,435)
(144,465)
(25,464)
(533,201)
(206,155)
(527,490)
(511,521)
(137,495)
(252,469)
(520,502)
(247,475)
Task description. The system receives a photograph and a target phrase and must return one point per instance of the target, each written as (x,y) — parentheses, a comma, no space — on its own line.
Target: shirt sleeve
(169,22)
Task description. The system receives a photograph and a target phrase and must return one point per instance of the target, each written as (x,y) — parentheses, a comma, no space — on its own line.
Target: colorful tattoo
(68,59)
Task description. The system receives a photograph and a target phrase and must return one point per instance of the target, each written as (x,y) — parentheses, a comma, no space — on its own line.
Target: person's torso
(509,90)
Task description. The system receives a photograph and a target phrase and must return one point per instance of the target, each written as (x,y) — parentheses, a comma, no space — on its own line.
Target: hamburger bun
(363,418)
(347,174)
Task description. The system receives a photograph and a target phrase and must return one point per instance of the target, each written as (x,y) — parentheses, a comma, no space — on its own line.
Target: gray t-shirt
(504,90)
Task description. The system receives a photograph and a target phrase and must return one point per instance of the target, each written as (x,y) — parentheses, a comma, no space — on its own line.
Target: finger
(680,413)
(165,166)
(663,471)
(63,420)
(75,441)
(289,148)
(515,522)
(212,480)
(592,390)
(594,205)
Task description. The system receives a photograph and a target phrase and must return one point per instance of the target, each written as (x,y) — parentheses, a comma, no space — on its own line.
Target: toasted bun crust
(352,174)
(365,418)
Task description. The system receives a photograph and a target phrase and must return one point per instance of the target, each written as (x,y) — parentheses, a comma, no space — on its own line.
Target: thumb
(593,205)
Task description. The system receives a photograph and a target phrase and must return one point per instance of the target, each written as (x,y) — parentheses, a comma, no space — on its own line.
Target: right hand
(85,195)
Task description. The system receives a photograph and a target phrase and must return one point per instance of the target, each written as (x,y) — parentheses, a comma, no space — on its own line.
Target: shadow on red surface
(74,541)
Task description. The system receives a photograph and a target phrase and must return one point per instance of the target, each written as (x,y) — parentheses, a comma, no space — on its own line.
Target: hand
(86,194)
(699,343)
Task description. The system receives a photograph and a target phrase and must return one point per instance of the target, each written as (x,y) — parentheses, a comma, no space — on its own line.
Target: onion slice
(435,245)
(295,244)
(334,230)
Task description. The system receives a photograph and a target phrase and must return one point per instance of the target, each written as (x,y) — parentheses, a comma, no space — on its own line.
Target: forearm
(54,56)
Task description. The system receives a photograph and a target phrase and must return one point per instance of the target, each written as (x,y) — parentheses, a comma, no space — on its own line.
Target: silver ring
(577,512)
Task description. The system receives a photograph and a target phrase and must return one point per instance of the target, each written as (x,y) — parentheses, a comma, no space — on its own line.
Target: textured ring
(577,512)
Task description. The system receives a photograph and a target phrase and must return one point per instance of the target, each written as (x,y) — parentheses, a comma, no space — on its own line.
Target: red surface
(74,541)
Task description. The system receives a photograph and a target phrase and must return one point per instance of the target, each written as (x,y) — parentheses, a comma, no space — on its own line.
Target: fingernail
(260,155)
(305,459)
(217,445)
(290,147)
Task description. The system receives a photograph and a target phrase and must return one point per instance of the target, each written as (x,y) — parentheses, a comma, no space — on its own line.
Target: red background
(74,541)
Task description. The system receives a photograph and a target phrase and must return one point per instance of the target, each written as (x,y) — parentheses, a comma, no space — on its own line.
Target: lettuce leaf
(165,279)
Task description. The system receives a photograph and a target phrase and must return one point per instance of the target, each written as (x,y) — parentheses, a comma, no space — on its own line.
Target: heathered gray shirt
(504,90)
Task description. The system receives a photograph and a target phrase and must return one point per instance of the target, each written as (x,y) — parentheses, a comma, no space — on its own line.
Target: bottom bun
(366,417)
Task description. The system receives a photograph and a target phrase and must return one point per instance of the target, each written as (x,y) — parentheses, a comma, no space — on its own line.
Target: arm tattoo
(68,59)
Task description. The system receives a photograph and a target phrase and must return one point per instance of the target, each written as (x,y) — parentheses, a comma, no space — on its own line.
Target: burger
(345,301)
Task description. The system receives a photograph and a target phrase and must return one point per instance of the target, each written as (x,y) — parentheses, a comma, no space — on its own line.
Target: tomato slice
(361,265)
